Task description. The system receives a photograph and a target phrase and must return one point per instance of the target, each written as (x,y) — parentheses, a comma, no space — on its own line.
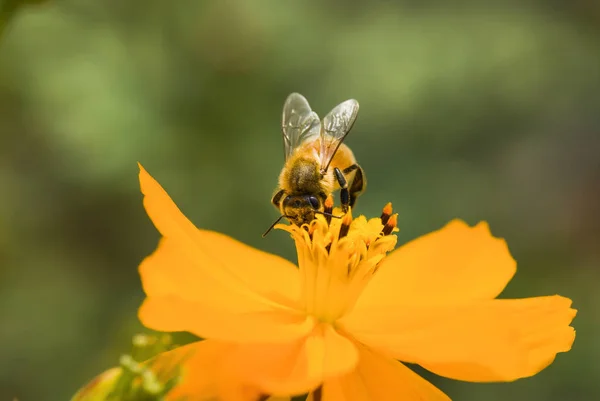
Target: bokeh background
(484,110)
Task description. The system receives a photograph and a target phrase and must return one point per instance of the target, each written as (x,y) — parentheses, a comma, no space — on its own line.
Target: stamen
(328,208)
(387,212)
(311,230)
(390,224)
(345,227)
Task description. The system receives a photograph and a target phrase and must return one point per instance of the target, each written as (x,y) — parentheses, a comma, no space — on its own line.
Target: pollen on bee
(391,223)
(386,213)
(329,202)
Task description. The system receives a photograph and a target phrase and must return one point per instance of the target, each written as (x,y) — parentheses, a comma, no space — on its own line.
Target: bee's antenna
(273,225)
(328,214)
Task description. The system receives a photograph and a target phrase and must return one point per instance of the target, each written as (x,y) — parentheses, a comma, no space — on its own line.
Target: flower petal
(172,313)
(169,270)
(204,263)
(298,367)
(455,264)
(218,283)
(198,361)
(492,340)
(378,378)
(204,374)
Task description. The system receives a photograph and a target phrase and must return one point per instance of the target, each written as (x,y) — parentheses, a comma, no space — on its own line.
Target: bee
(317,162)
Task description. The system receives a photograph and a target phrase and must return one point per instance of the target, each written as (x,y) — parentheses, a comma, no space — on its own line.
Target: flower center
(338,256)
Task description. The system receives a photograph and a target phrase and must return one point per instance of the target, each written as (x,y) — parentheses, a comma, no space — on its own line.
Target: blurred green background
(483,110)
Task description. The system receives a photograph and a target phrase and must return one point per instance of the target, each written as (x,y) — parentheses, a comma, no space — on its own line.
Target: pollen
(329,203)
(390,225)
(387,212)
(337,258)
(328,208)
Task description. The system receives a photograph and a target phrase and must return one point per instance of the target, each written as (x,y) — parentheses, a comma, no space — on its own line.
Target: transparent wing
(299,123)
(336,126)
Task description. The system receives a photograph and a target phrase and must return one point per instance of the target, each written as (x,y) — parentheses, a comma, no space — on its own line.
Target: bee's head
(300,209)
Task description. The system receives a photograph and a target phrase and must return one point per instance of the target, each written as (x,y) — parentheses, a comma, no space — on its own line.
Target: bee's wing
(299,123)
(336,126)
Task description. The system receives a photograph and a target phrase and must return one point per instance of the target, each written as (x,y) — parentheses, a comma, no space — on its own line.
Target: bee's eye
(314,202)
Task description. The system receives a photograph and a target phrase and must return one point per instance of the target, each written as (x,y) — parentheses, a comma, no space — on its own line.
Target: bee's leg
(344,194)
(358,184)
(277,198)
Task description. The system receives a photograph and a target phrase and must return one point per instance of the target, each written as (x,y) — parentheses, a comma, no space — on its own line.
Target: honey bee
(317,162)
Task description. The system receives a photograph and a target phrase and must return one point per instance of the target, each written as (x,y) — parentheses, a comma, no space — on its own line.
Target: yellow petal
(199,362)
(492,340)
(455,264)
(169,270)
(298,367)
(378,378)
(205,376)
(214,273)
(234,264)
(172,313)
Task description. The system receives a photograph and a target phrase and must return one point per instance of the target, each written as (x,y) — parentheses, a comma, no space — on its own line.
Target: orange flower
(337,324)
